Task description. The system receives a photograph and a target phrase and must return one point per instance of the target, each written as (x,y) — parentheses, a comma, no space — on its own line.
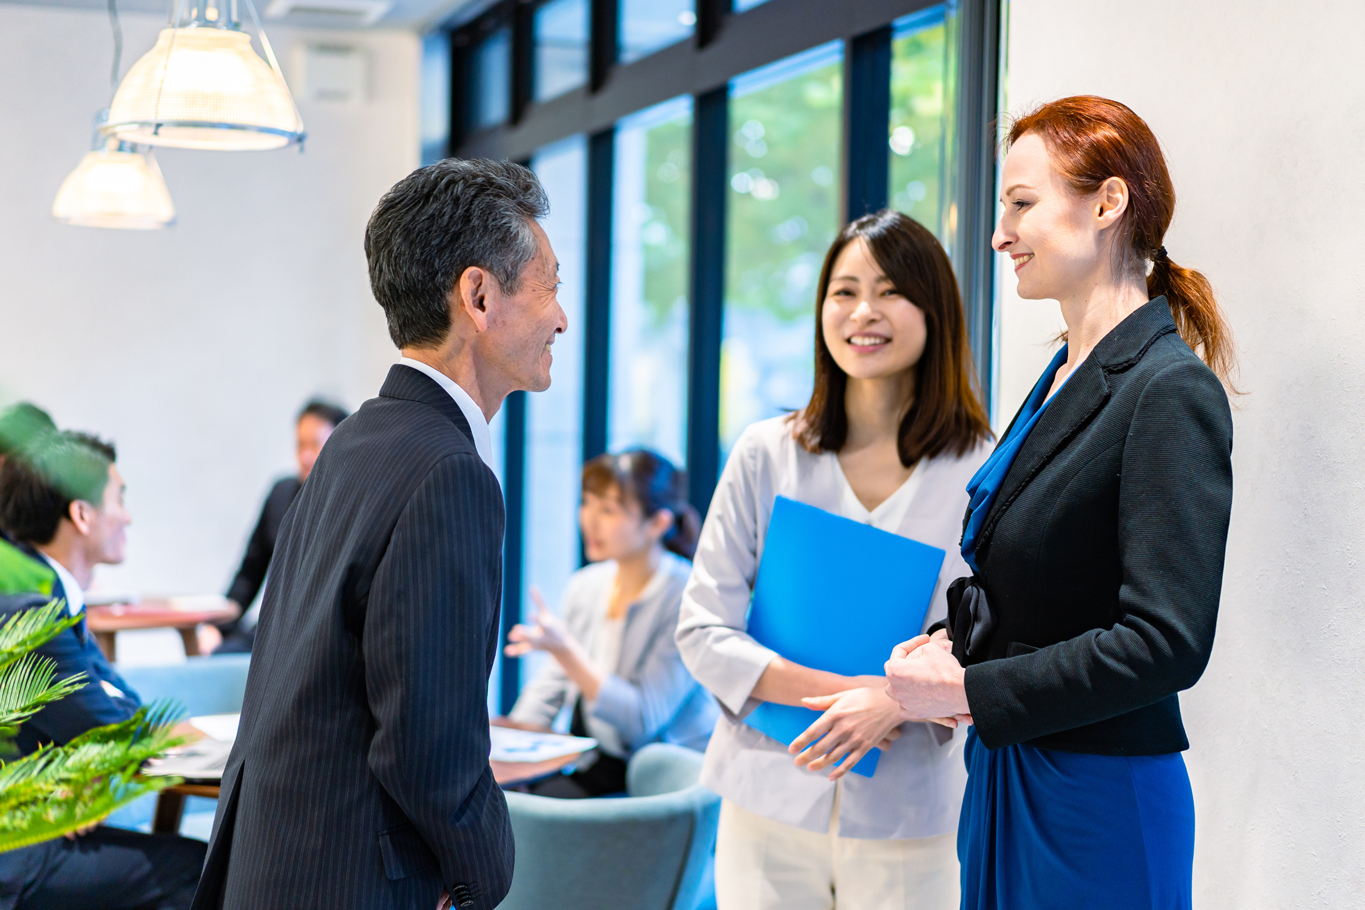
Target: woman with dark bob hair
(890,437)
(1096,537)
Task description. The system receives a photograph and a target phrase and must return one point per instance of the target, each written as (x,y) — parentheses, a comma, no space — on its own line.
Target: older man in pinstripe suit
(360,775)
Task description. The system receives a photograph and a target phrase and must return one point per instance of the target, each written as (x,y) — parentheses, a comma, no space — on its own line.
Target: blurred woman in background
(615,662)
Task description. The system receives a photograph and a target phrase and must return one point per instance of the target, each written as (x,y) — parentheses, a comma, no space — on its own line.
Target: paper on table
(527,746)
(222,727)
(835,595)
(204,760)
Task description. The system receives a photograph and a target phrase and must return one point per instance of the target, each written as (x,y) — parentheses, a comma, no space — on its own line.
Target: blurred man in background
(61,503)
(316,422)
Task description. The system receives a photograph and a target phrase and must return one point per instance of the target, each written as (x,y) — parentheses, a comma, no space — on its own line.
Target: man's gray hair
(440,220)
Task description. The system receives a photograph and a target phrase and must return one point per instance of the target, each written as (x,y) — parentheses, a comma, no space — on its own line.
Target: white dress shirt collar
(478,424)
(75,597)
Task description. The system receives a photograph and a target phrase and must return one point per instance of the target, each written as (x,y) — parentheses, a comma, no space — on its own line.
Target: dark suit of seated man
(61,504)
(360,775)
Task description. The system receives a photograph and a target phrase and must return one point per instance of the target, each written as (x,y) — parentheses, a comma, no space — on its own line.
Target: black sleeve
(1175,500)
(430,635)
(259,549)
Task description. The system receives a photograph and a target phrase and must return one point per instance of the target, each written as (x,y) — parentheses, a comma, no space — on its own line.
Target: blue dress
(1048,830)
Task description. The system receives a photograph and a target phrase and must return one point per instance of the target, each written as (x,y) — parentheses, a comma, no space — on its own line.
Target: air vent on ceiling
(329,72)
(328,13)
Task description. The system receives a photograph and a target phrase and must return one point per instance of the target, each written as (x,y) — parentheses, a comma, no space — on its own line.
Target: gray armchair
(650,850)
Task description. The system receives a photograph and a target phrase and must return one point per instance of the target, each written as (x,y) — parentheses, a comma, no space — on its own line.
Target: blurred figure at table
(615,661)
(316,422)
(61,503)
(22,425)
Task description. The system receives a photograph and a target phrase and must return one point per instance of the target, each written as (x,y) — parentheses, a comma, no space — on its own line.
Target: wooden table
(182,614)
(170,804)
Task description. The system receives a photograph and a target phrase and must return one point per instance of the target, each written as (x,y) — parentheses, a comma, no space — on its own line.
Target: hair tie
(1159,255)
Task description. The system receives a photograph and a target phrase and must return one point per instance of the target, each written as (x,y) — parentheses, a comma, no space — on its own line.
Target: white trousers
(766,865)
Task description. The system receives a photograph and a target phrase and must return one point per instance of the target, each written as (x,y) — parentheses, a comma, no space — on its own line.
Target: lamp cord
(118,43)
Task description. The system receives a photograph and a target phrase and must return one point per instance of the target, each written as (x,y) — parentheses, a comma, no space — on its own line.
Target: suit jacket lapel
(1075,403)
(1078,401)
(414,385)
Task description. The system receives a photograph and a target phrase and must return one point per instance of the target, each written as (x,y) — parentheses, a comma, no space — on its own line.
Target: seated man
(316,422)
(61,502)
(20,426)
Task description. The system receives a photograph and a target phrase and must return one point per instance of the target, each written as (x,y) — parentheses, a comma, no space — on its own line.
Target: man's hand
(189,731)
(927,682)
(444,902)
(82,831)
(854,723)
(209,637)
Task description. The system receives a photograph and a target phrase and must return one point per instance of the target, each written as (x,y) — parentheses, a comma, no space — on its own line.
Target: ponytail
(1198,318)
(1091,139)
(682,539)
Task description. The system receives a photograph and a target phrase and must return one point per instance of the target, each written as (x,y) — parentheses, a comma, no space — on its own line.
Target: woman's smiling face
(1052,234)
(870,328)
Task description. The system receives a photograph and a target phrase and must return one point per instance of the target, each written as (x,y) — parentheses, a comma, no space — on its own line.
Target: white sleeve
(712,636)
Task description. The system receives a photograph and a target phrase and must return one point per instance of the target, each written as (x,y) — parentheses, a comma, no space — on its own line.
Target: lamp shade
(204,88)
(115,189)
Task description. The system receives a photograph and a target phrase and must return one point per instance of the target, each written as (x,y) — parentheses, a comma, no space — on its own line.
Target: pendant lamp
(202,86)
(115,186)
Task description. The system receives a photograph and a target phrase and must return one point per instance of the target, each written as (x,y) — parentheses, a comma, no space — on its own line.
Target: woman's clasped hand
(926,681)
(854,722)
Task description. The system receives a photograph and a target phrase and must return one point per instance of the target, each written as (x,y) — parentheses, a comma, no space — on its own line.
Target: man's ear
(82,515)
(471,296)
(1111,201)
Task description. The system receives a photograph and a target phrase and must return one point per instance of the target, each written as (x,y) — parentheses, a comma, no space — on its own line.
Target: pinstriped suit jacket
(360,775)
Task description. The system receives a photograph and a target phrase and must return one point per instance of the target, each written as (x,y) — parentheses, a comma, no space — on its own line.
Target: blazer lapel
(414,385)
(1078,401)
(1075,403)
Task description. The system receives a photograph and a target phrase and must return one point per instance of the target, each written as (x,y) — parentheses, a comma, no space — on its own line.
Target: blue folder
(835,595)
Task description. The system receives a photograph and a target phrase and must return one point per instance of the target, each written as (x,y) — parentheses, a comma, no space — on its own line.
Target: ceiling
(342,14)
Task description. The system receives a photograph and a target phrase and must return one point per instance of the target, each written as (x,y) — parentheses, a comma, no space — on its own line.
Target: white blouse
(917,789)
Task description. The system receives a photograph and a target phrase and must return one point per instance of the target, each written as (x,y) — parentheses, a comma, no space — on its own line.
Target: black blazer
(1102,556)
(360,775)
(256,561)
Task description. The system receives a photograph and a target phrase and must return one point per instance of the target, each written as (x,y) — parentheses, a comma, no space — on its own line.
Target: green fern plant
(58,789)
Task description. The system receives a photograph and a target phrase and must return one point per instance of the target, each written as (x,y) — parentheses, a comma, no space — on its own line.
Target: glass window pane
(922,68)
(781,215)
(742,5)
(554,418)
(650,25)
(649,311)
(490,80)
(561,30)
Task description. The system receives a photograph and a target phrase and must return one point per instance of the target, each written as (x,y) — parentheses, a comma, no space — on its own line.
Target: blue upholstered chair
(651,850)
(201,685)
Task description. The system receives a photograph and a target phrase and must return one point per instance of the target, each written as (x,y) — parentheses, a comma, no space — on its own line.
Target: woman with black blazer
(1096,535)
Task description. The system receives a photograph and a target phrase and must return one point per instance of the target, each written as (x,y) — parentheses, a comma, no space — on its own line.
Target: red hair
(1091,139)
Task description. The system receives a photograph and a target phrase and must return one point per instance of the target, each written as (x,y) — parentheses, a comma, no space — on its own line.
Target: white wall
(192,348)
(1259,106)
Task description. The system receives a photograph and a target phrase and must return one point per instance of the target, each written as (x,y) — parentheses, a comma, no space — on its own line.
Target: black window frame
(725,45)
